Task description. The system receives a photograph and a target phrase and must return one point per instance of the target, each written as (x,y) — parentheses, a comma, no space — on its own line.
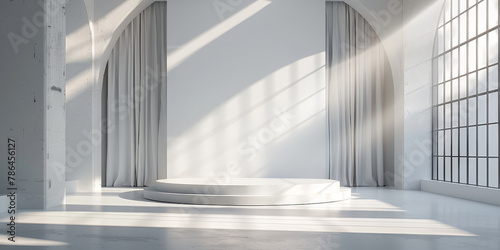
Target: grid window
(465,113)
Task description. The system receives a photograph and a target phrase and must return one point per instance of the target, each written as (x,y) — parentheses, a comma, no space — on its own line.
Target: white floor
(373,219)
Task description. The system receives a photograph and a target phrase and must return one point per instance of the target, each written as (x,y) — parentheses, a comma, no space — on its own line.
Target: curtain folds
(136,100)
(356,64)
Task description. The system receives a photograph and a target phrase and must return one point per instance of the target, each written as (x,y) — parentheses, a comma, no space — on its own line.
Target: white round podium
(247,191)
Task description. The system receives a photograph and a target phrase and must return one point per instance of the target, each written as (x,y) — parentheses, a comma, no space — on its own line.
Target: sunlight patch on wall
(178,56)
(78,84)
(246,126)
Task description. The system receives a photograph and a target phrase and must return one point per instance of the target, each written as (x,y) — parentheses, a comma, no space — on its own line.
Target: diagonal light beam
(180,55)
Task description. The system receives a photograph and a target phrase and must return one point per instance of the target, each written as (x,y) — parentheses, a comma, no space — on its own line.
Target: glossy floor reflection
(119,218)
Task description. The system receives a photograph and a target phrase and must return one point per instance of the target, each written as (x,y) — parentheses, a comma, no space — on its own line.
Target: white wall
(420,22)
(79,93)
(246,88)
(32,110)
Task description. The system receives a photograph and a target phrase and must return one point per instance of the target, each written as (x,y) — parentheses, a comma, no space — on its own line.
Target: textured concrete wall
(32,110)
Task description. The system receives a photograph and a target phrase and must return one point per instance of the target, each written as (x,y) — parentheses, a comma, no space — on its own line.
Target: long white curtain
(136,100)
(355,65)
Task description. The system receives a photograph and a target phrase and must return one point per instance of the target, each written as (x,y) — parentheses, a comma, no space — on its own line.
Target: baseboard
(468,192)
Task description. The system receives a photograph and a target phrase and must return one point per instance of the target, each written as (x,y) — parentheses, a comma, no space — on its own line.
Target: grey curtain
(356,64)
(136,92)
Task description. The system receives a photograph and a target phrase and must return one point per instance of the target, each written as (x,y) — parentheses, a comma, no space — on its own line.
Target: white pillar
(32,100)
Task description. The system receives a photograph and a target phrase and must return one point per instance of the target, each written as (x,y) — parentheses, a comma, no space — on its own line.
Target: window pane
(447,10)
(493,107)
(493,140)
(454,9)
(454,32)
(447,91)
(440,93)
(472,111)
(463,28)
(434,71)
(447,116)
(472,84)
(454,62)
(441,69)
(447,170)
(434,168)
(493,47)
(463,60)
(481,109)
(434,118)
(440,40)
(472,22)
(463,141)
(434,94)
(441,117)
(472,141)
(454,137)
(434,143)
(463,170)
(455,118)
(440,168)
(447,66)
(447,36)
(482,84)
(455,170)
(472,170)
(481,172)
(493,173)
(463,86)
(463,113)
(492,13)
(481,13)
(482,55)
(481,140)
(455,88)
(441,143)
(493,77)
(447,142)
(472,55)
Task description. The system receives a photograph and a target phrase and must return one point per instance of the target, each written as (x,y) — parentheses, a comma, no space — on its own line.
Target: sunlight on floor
(26,241)
(245,222)
(325,217)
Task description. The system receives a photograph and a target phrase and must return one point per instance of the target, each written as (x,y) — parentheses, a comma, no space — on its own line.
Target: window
(465,94)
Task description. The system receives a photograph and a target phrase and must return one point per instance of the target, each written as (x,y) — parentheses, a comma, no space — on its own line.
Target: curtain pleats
(136,100)
(356,77)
